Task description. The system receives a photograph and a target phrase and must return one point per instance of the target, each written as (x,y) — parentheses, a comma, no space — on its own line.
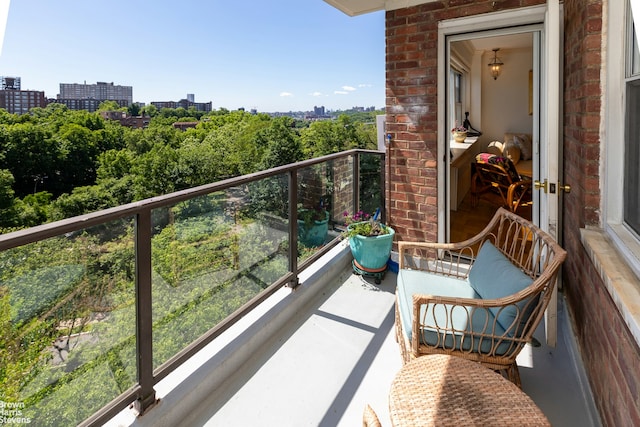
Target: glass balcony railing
(96,309)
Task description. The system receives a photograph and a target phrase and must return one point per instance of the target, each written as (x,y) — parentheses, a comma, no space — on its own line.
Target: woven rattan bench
(480,299)
(441,391)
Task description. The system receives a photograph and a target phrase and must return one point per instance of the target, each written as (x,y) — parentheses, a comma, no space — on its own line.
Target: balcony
(201,308)
(333,351)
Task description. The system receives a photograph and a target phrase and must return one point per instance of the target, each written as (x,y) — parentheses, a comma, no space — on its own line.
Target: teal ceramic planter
(372,253)
(313,235)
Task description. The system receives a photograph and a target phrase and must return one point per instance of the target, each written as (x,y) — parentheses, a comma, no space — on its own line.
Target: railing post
(383,188)
(293,226)
(144,321)
(356,182)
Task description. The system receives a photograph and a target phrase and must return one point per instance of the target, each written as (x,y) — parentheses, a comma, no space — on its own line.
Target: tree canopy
(81,162)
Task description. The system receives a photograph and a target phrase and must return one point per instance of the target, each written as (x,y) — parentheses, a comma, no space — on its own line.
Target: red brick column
(412,106)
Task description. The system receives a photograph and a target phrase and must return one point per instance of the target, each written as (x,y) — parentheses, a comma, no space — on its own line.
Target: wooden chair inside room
(495,175)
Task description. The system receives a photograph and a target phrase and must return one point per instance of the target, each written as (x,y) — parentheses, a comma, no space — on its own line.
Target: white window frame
(613,134)
(457,109)
(461,68)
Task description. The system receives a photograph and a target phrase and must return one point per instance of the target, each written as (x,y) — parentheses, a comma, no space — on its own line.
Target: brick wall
(342,188)
(412,105)
(610,353)
(582,93)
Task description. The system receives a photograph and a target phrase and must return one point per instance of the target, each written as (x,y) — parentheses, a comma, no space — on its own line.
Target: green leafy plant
(364,224)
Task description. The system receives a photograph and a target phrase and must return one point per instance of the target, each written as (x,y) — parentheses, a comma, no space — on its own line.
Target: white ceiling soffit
(360,7)
(4,14)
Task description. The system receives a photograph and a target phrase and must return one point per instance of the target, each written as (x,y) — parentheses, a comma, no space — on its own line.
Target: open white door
(547,84)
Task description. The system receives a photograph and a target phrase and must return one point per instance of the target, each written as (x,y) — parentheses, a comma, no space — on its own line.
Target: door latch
(538,185)
(551,186)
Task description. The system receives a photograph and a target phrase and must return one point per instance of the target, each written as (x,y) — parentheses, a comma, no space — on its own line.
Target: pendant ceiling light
(495,66)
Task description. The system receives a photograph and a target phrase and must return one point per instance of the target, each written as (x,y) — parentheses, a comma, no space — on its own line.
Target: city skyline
(269,57)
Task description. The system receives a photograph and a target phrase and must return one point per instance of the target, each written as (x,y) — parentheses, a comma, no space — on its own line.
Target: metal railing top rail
(69,225)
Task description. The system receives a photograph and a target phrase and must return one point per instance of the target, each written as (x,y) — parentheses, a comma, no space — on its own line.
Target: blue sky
(277,55)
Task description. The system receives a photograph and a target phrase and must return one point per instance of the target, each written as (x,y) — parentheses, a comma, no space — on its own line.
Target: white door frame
(548,18)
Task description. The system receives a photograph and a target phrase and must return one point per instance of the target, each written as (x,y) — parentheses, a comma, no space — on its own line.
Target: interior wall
(505,101)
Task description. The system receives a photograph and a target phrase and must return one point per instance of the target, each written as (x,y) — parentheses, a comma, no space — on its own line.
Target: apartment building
(83,96)
(21,101)
(184,103)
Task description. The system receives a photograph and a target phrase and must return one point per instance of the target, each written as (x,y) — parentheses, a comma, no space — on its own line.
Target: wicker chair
(370,418)
(498,175)
(438,313)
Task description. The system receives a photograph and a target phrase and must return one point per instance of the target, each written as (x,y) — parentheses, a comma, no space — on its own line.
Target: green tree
(31,154)
(115,164)
(51,110)
(22,347)
(110,106)
(6,117)
(111,136)
(235,138)
(319,138)
(82,200)
(333,136)
(162,134)
(8,217)
(33,209)
(78,160)
(149,110)
(281,142)
(157,172)
(200,162)
(134,109)
(7,194)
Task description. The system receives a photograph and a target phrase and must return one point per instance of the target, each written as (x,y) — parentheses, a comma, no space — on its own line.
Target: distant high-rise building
(319,111)
(99,92)
(10,83)
(191,97)
(17,101)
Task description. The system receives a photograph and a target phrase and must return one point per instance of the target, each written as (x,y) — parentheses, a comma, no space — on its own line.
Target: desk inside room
(462,155)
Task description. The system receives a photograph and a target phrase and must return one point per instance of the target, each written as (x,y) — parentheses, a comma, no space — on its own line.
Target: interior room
(491,94)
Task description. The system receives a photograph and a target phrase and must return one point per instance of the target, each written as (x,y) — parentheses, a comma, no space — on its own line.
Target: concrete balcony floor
(335,354)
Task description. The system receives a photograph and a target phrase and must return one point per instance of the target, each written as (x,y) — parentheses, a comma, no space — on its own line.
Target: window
(633,68)
(457,96)
(615,252)
(632,158)
(459,82)
(457,105)
(632,132)
(621,135)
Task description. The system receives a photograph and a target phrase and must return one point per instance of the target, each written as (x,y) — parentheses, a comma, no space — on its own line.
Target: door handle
(538,185)
(546,186)
(566,188)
